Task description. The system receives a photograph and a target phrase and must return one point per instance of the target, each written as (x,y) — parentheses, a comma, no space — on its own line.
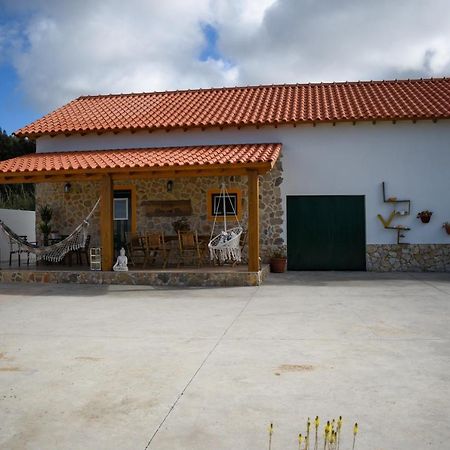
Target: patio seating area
(145,250)
(156,249)
(155,259)
(186,249)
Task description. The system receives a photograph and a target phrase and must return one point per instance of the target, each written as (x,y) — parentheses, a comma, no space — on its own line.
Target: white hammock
(225,246)
(55,252)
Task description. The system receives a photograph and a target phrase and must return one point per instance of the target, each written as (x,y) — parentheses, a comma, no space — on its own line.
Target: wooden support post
(253,221)
(106,223)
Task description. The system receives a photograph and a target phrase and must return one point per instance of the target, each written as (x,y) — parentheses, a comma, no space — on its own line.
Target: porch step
(209,277)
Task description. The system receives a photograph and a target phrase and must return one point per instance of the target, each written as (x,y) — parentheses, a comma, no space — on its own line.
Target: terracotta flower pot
(424,216)
(425,219)
(278,265)
(446,226)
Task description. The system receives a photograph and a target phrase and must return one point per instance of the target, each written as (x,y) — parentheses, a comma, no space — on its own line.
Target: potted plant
(446,226)
(278,260)
(181,225)
(45,227)
(424,216)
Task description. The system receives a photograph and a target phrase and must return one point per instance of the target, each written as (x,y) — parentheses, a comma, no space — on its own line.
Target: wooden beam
(192,170)
(15,179)
(170,174)
(253,221)
(134,173)
(106,223)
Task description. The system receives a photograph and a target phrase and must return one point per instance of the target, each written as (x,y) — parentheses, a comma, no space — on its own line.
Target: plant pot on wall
(424,216)
(446,227)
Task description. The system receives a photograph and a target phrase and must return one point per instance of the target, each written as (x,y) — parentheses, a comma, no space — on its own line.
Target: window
(217,204)
(120,209)
(229,203)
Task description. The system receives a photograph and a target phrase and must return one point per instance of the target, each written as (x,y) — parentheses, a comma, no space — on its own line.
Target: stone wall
(70,208)
(408,257)
(171,278)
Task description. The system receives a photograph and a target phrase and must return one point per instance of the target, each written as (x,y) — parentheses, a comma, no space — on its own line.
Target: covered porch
(107,171)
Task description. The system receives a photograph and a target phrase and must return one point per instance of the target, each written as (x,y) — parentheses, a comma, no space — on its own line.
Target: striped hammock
(54,252)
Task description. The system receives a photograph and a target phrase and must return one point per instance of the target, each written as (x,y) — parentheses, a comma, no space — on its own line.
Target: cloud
(76,47)
(307,40)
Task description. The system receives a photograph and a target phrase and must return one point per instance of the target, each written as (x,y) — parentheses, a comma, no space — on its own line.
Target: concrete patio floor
(121,367)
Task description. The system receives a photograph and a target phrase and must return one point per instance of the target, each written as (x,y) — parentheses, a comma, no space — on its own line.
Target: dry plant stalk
(331,436)
(270,435)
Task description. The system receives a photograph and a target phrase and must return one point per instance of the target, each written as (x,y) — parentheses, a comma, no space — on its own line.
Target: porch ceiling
(166,162)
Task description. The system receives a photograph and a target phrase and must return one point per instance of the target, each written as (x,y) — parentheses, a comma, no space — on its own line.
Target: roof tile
(143,157)
(239,106)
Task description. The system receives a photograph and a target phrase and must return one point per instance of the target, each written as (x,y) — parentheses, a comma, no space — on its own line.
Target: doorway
(122,209)
(326,232)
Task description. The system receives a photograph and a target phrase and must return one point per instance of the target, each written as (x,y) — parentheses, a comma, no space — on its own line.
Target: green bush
(16,196)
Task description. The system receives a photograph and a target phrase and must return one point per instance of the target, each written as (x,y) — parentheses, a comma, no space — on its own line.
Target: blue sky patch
(210,50)
(14,111)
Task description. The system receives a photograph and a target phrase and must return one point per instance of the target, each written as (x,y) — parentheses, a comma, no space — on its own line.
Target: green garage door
(326,232)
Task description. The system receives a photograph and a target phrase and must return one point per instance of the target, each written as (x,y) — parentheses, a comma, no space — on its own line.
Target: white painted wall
(22,223)
(346,159)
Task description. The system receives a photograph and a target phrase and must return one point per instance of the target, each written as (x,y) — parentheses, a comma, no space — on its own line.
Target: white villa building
(340,170)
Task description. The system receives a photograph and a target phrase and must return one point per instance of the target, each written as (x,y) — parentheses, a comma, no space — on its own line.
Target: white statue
(121,264)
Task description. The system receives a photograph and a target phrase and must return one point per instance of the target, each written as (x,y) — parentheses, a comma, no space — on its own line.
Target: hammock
(225,246)
(55,252)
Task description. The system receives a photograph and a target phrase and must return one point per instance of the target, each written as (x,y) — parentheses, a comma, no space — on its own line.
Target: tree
(16,196)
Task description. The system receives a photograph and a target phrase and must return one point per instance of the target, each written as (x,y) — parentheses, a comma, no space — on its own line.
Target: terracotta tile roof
(169,157)
(252,105)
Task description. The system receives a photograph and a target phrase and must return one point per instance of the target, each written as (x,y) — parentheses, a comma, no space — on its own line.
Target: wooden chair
(16,248)
(189,247)
(68,257)
(155,247)
(243,244)
(84,251)
(135,247)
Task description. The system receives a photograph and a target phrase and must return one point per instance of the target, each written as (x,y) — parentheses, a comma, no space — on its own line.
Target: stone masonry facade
(70,208)
(408,257)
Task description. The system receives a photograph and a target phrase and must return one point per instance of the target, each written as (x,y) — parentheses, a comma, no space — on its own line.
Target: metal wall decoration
(394,201)
(167,208)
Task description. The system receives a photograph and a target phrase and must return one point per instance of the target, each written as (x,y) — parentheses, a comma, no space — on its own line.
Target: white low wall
(22,223)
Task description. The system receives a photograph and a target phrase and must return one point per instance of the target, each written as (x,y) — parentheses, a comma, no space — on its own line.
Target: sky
(52,51)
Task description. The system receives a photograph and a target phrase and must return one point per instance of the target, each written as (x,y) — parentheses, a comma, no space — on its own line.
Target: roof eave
(37,135)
